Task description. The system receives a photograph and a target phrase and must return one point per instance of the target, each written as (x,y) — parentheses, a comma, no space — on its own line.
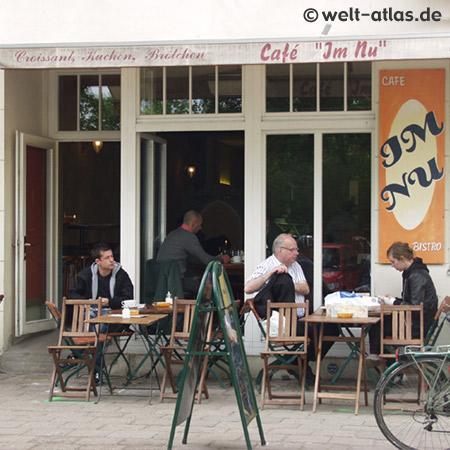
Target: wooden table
(235,272)
(141,322)
(319,318)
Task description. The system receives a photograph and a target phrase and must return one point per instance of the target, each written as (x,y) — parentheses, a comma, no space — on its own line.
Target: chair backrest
(401,317)
(250,302)
(78,328)
(160,277)
(286,332)
(438,322)
(54,311)
(187,308)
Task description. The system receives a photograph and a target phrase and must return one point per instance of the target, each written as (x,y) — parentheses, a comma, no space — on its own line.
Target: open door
(153,153)
(35,232)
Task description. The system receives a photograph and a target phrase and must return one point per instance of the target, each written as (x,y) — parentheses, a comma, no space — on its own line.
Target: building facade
(336,137)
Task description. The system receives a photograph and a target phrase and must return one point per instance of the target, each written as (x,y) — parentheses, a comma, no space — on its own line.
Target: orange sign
(412,162)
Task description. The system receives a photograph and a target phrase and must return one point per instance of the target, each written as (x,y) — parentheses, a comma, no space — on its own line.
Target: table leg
(318,361)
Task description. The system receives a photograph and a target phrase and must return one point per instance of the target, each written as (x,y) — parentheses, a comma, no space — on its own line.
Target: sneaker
(64,365)
(373,360)
(97,379)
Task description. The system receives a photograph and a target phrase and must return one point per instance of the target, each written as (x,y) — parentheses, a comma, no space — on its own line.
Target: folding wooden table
(319,317)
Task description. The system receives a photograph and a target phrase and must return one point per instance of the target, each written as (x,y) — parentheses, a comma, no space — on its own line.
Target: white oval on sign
(410,211)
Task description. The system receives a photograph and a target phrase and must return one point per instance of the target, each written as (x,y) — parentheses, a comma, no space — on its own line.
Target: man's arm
(124,291)
(302,287)
(256,284)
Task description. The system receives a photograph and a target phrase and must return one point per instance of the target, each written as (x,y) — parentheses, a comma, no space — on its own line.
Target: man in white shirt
(279,277)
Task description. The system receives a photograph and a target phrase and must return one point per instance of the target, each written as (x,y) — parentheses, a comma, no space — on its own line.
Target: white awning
(111,33)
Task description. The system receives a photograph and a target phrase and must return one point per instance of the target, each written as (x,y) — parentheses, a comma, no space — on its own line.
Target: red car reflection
(340,269)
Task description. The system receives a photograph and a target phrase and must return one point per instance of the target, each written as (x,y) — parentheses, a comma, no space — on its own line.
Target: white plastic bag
(274,320)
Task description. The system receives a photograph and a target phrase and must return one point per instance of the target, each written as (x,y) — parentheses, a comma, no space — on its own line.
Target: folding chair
(289,351)
(82,342)
(173,352)
(438,322)
(401,319)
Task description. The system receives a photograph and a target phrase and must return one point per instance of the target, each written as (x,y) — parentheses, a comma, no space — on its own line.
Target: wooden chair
(438,322)
(173,353)
(401,318)
(83,343)
(287,348)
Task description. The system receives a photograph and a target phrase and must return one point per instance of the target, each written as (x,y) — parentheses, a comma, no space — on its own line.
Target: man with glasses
(281,278)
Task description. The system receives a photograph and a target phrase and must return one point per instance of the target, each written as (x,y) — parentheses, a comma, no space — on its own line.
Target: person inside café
(183,245)
(418,288)
(280,278)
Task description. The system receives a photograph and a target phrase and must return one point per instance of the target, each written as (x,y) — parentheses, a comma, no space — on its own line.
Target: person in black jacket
(418,288)
(105,279)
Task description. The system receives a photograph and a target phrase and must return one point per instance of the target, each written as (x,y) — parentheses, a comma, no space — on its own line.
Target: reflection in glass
(111,102)
(151,91)
(277,88)
(177,90)
(332,87)
(346,210)
(290,188)
(68,101)
(359,86)
(230,89)
(305,87)
(203,90)
(89,102)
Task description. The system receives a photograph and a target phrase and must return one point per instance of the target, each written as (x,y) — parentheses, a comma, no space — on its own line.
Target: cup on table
(129,303)
(236,257)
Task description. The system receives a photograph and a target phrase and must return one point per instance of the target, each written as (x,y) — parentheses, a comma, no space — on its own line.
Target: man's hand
(105,301)
(280,269)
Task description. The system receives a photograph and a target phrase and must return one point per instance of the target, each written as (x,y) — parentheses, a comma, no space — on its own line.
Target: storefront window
(89,102)
(332,87)
(214,89)
(277,88)
(203,90)
(111,102)
(67,103)
(152,91)
(177,90)
(305,87)
(296,90)
(346,211)
(359,86)
(230,89)
(290,189)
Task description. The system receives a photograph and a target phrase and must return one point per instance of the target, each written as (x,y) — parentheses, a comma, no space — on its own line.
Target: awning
(52,34)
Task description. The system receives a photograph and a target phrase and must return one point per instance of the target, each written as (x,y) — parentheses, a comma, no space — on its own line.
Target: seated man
(104,279)
(183,244)
(280,278)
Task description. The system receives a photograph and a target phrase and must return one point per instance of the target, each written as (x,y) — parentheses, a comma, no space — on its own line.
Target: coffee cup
(129,303)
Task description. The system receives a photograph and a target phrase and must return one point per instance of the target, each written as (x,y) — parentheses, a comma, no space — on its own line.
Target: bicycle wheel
(412,403)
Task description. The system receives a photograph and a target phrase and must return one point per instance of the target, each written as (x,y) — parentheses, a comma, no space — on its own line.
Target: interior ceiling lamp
(97,146)
(191,171)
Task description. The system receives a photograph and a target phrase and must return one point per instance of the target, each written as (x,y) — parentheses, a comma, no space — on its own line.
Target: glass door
(153,153)
(35,233)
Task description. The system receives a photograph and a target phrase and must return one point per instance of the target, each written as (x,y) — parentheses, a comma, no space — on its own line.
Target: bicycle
(412,399)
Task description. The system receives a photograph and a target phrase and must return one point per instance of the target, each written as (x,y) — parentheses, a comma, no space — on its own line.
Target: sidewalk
(29,421)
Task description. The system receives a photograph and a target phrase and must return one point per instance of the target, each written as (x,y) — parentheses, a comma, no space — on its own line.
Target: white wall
(23,97)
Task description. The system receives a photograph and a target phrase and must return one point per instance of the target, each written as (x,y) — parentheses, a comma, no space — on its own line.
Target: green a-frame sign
(215,296)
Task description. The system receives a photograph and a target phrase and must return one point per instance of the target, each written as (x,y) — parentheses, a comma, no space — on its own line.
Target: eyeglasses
(291,249)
